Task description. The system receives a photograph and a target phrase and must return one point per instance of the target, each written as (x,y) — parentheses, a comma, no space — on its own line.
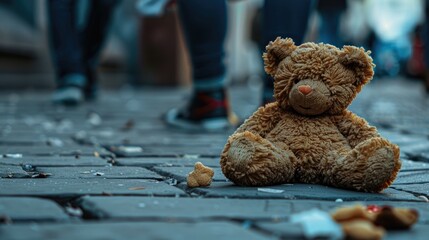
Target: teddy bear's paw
(381,169)
(370,167)
(241,150)
(254,161)
(378,162)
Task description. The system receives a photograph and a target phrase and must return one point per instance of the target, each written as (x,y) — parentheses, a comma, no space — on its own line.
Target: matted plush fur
(308,135)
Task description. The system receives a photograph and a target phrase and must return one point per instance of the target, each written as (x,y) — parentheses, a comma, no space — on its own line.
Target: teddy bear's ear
(275,52)
(359,61)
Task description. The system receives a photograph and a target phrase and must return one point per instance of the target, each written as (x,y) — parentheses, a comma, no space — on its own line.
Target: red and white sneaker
(206,111)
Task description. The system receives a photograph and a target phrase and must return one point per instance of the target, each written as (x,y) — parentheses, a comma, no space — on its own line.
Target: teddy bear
(308,135)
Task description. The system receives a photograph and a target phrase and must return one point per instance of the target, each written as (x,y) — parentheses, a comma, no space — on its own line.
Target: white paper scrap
(317,223)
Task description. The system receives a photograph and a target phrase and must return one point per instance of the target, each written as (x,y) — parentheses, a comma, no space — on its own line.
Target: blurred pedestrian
(283,19)
(205,24)
(426,46)
(75,51)
(330,12)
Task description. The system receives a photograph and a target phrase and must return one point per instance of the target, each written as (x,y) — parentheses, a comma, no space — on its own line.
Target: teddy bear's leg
(370,167)
(250,160)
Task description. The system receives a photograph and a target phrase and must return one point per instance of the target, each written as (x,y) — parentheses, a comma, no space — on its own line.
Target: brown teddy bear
(307,135)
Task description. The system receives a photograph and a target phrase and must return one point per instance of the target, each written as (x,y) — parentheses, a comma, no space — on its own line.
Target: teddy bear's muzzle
(310,97)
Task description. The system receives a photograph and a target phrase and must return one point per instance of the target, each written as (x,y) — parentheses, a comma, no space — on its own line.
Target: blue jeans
(204,23)
(75,51)
(283,19)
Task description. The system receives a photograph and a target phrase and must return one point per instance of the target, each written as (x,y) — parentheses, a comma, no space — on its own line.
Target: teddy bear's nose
(305,89)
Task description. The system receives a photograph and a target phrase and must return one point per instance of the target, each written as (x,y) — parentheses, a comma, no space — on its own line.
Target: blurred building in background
(149,50)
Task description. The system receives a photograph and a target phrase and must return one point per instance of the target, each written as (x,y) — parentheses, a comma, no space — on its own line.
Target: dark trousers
(75,51)
(283,18)
(204,24)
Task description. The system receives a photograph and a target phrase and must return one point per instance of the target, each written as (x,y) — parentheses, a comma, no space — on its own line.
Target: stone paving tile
(414,177)
(50,151)
(78,187)
(403,140)
(215,208)
(167,151)
(12,171)
(148,137)
(417,189)
(177,208)
(417,151)
(34,209)
(300,191)
(109,172)
(181,173)
(189,161)
(408,165)
(130,230)
(31,139)
(19,131)
(51,161)
(419,155)
(420,127)
(284,230)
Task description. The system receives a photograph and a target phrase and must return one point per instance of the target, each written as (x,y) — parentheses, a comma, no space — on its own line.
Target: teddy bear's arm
(355,128)
(262,121)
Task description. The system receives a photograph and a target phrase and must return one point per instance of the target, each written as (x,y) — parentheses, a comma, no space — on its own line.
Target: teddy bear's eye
(296,81)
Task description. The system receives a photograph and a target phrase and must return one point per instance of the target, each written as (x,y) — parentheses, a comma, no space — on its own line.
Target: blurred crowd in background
(145,43)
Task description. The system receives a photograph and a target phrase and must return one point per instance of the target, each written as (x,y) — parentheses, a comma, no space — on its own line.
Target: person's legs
(329,27)
(93,36)
(204,25)
(66,51)
(426,46)
(283,19)
(330,12)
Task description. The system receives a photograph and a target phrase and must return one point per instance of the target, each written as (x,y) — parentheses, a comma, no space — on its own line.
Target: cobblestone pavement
(113,170)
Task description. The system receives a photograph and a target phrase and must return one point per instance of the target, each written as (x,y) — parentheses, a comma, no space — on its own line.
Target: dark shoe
(207,110)
(70,89)
(68,96)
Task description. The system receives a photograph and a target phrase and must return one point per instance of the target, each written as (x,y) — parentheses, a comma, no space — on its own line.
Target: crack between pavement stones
(122,155)
(413,183)
(204,194)
(95,212)
(415,170)
(416,194)
(250,225)
(102,217)
(178,185)
(19,144)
